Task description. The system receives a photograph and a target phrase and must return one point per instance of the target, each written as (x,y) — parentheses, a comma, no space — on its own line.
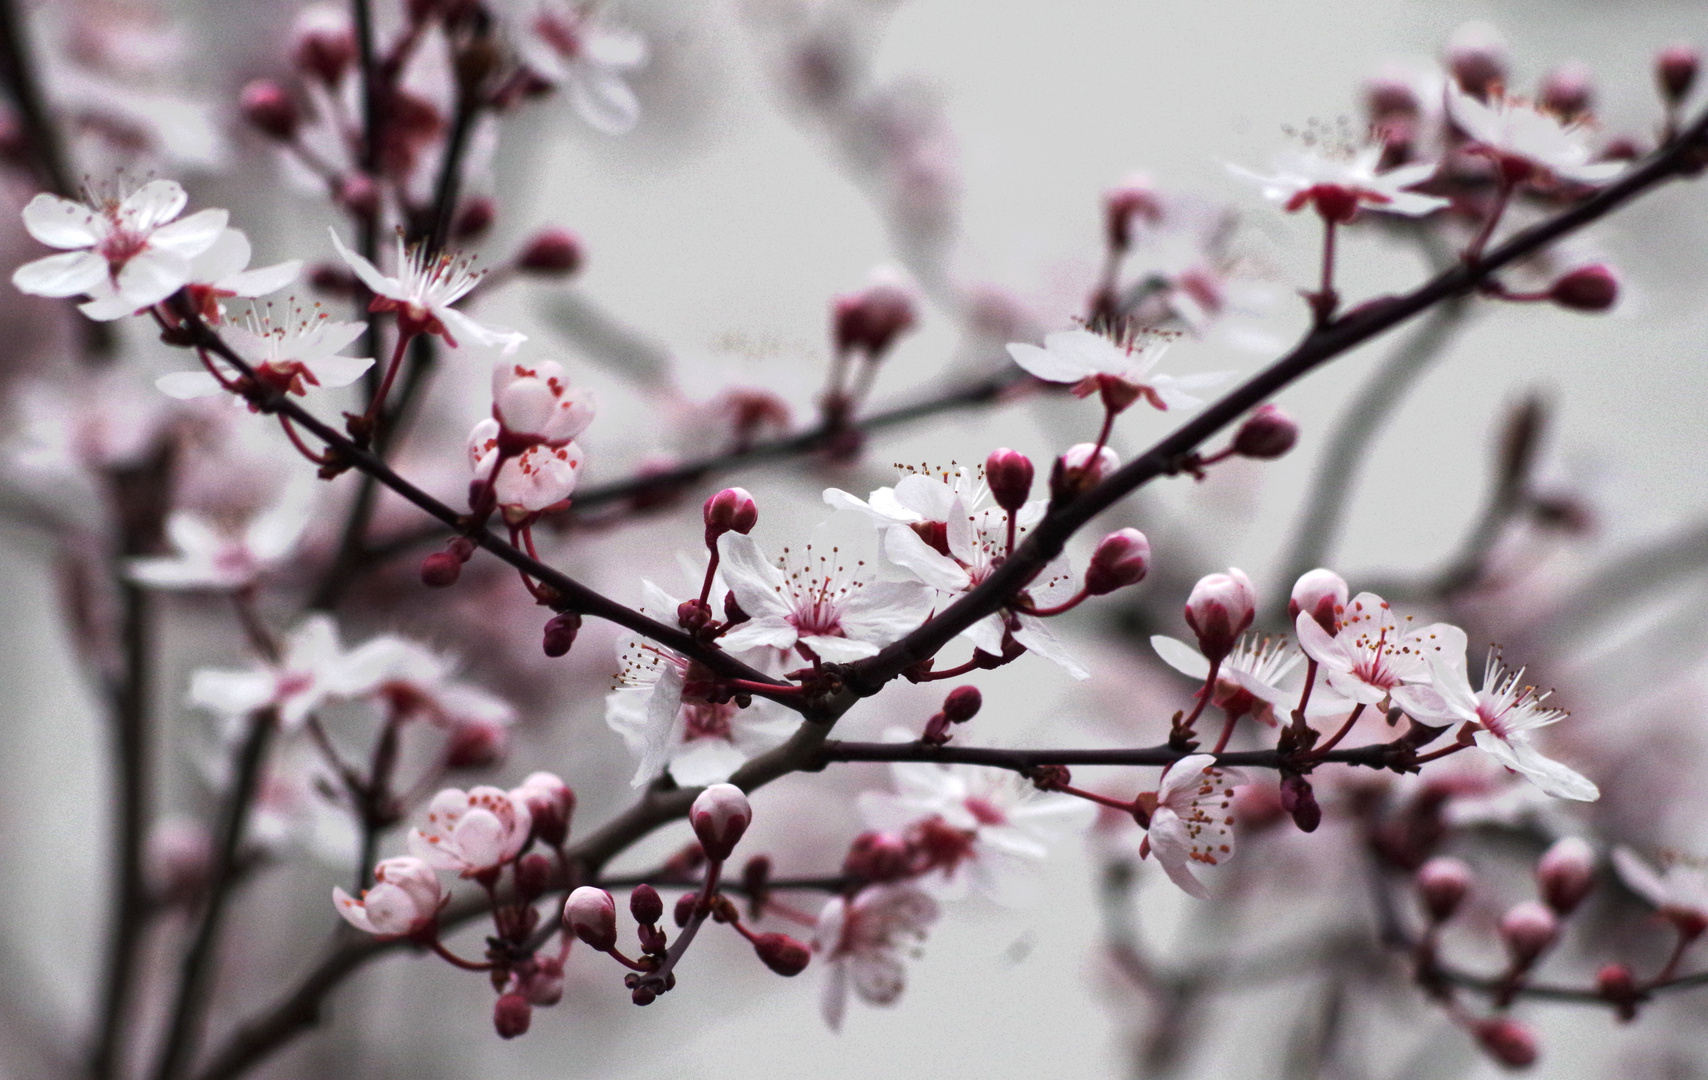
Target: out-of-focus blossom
(1373,654)
(1679,890)
(862,942)
(209,557)
(405,899)
(1523,138)
(219,273)
(473,832)
(296,351)
(314,669)
(416,682)
(1079,357)
(536,416)
(1192,822)
(1340,180)
(574,48)
(423,291)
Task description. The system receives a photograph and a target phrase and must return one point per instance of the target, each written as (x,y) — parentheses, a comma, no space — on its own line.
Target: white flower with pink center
(1339,179)
(1088,361)
(1255,680)
(296,350)
(405,899)
(1519,136)
(219,273)
(527,447)
(415,682)
(574,48)
(473,832)
(134,244)
(1679,890)
(313,670)
(1374,653)
(862,941)
(1193,820)
(422,292)
(210,557)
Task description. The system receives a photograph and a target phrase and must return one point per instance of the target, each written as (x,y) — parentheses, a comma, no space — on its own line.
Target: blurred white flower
(862,941)
(209,557)
(405,899)
(574,48)
(1517,132)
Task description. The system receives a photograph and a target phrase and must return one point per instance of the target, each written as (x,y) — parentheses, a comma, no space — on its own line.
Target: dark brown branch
(40,136)
(1374,756)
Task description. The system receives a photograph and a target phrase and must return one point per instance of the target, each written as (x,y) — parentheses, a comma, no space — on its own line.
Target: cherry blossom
(527,447)
(1679,890)
(473,832)
(405,899)
(298,350)
(1121,372)
(1340,179)
(1372,655)
(1523,138)
(1191,822)
(862,942)
(574,48)
(414,681)
(314,669)
(423,291)
(209,557)
(1250,681)
(219,273)
(134,244)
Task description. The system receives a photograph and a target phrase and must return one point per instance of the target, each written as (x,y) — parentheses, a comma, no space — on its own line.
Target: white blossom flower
(219,273)
(818,606)
(1192,821)
(405,899)
(473,832)
(1080,356)
(313,670)
(1372,655)
(574,48)
(1253,680)
(1679,891)
(536,415)
(298,350)
(423,291)
(414,681)
(209,557)
(1512,130)
(862,942)
(132,243)
(1340,179)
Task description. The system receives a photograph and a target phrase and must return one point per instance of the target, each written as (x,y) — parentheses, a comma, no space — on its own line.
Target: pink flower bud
(544,985)
(1477,58)
(877,857)
(1442,883)
(591,915)
(358,193)
(719,816)
(405,899)
(324,45)
(1616,985)
(511,1015)
(782,953)
(475,744)
(1390,98)
(1220,609)
(1135,198)
(1322,593)
(645,905)
(1528,928)
(1568,91)
(266,105)
(177,859)
(551,804)
(1675,70)
(441,570)
(474,218)
(1122,558)
(1009,474)
(962,704)
(1267,433)
(730,510)
(551,251)
(684,909)
(533,876)
(1507,1041)
(1300,801)
(560,633)
(1078,469)
(1588,288)
(1566,873)
(869,321)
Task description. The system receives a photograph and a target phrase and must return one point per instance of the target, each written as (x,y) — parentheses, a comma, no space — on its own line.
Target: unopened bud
(533,876)
(720,815)
(1299,800)
(551,251)
(782,953)
(551,804)
(358,193)
(869,321)
(1009,475)
(1220,608)
(266,105)
(511,1015)
(1588,288)
(1442,883)
(1135,198)
(1080,469)
(1322,594)
(730,510)
(877,857)
(475,744)
(441,570)
(1507,1041)
(474,218)
(645,905)
(1122,558)
(325,43)
(684,909)
(962,704)
(1388,98)
(1675,70)
(1568,91)
(591,915)
(1566,873)
(1477,58)
(1528,929)
(1267,433)
(1617,986)
(560,633)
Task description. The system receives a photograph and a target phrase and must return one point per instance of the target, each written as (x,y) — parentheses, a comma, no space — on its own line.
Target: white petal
(333,371)
(152,204)
(1181,656)
(67,274)
(152,276)
(369,274)
(603,99)
(772,630)
(838,650)
(191,236)
(757,583)
(187,385)
(263,280)
(883,611)
(227,255)
(906,549)
(1170,846)
(61,223)
(1639,878)
(705,761)
(1038,638)
(1047,365)
(466,329)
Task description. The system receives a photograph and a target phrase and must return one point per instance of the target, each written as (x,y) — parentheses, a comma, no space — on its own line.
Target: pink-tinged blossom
(210,557)
(1219,609)
(297,350)
(720,817)
(219,273)
(417,683)
(1339,180)
(816,605)
(1322,593)
(405,899)
(423,291)
(1079,357)
(862,942)
(473,832)
(573,48)
(314,669)
(1679,890)
(1522,137)
(1374,653)
(1253,680)
(1506,713)
(134,244)
(1193,820)
(530,437)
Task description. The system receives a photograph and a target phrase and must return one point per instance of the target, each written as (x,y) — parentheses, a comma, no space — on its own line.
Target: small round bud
(1507,1041)
(645,905)
(1616,985)
(1588,288)
(1675,70)
(1220,608)
(1323,594)
(560,633)
(1477,58)
(554,252)
(474,218)
(533,876)
(441,570)
(1528,929)
(1568,91)
(730,510)
(358,193)
(877,857)
(551,803)
(266,105)
(511,1015)
(1134,198)
(1079,469)
(1566,873)
(591,915)
(720,815)
(1266,434)
(1122,558)
(684,909)
(1009,475)
(869,321)
(1442,883)
(782,953)
(1299,800)
(962,704)
(475,744)
(324,43)
(1389,98)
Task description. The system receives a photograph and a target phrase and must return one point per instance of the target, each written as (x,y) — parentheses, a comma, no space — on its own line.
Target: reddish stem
(1204,695)
(404,337)
(456,961)
(1066,605)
